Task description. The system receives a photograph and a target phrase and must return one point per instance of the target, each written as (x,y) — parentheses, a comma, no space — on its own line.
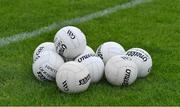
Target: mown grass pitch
(154,26)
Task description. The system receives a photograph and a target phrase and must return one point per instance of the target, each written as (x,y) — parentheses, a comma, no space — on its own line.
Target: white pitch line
(25,35)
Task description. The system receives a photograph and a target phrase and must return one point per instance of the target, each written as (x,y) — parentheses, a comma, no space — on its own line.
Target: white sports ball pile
(74,65)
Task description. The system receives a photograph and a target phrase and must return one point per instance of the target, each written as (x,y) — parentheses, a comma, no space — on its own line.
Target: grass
(153,26)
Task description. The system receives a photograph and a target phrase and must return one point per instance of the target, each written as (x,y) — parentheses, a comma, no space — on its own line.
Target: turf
(153,26)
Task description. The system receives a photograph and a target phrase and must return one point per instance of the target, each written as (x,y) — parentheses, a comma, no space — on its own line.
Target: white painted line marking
(25,35)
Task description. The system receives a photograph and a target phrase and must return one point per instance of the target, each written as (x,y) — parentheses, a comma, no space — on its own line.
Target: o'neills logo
(84,80)
(137,54)
(39,50)
(126,78)
(37,53)
(85,57)
(99,52)
(40,75)
(71,34)
(61,47)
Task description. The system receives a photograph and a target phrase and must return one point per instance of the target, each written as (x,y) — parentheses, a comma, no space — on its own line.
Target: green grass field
(154,26)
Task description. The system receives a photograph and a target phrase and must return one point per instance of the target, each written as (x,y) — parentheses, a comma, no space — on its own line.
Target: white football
(70,42)
(88,50)
(109,49)
(94,65)
(120,71)
(45,68)
(46,46)
(143,60)
(73,77)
